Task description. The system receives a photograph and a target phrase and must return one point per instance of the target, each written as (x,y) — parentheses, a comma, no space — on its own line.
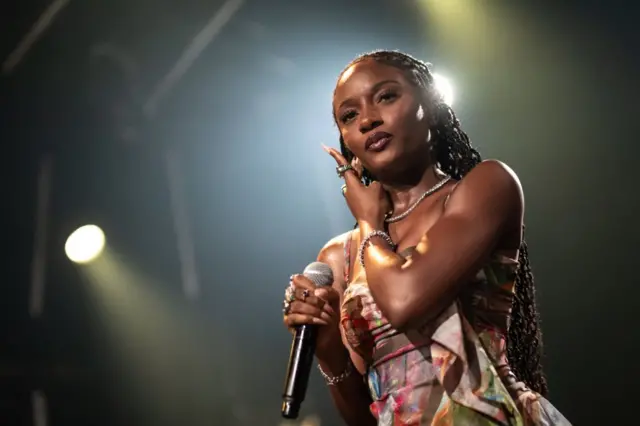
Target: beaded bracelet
(334,380)
(369,236)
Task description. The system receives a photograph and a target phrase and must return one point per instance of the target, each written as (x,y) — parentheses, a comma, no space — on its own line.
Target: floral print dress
(446,372)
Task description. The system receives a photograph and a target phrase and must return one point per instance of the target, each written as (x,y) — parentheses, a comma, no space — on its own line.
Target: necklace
(434,188)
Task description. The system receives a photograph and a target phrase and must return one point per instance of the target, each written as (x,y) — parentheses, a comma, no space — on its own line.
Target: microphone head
(320,273)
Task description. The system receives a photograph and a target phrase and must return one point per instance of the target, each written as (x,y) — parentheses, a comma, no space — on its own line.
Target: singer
(431,318)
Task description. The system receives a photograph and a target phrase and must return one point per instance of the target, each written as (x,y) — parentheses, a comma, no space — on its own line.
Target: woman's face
(381,118)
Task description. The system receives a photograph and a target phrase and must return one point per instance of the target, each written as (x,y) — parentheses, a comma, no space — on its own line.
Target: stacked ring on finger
(290,297)
(286,307)
(305,294)
(341,170)
(290,294)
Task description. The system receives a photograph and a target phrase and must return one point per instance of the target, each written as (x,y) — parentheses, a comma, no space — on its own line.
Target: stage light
(443,85)
(311,420)
(85,244)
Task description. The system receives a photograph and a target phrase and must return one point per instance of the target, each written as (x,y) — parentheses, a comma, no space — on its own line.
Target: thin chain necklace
(428,192)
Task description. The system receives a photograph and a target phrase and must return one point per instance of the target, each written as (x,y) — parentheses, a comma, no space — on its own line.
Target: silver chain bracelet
(334,380)
(369,236)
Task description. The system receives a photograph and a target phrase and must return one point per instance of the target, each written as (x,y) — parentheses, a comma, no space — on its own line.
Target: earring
(431,141)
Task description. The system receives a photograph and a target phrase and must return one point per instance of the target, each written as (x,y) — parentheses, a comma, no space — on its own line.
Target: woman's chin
(380,161)
(396,167)
(386,162)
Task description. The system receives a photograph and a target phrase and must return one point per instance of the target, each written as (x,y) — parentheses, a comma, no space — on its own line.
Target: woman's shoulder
(335,247)
(491,172)
(336,251)
(489,180)
(492,169)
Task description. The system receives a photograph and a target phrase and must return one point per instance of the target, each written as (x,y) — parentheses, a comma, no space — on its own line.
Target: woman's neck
(403,195)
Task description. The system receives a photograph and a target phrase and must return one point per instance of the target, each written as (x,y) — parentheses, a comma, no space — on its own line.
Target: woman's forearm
(350,395)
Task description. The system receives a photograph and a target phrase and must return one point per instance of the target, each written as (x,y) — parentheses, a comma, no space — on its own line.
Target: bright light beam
(35,33)
(444,87)
(85,244)
(192,52)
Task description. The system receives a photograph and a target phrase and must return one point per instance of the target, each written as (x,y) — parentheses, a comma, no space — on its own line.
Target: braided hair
(456,157)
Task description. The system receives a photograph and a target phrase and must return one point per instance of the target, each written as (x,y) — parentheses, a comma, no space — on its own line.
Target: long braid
(524,340)
(456,157)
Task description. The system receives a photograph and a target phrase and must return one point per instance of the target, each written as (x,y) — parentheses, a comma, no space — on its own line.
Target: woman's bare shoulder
(333,255)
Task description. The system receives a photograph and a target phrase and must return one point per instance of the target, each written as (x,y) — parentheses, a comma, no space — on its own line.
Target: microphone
(303,348)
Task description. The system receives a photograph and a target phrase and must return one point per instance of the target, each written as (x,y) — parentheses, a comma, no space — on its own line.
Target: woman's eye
(387,96)
(347,116)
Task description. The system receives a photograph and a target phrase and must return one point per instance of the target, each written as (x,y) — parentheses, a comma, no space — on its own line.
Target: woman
(431,319)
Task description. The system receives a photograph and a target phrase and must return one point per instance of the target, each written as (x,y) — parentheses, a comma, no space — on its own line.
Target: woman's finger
(350,176)
(327,294)
(305,296)
(306,309)
(336,155)
(299,281)
(293,320)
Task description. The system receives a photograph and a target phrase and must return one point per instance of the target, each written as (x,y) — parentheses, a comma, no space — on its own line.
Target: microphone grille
(320,273)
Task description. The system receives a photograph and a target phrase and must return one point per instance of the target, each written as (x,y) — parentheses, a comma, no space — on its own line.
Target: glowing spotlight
(443,85)
(311,420)
(85,244)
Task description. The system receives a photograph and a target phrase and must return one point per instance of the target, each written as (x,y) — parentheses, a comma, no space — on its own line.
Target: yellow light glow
(85,244)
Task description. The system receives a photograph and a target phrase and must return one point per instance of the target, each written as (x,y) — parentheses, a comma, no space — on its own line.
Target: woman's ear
(357,166)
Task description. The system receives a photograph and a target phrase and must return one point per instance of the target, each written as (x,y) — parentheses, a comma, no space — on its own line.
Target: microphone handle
(303,349)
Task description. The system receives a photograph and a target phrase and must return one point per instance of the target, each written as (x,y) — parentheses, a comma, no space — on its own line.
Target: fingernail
(325,316)
(328,309)
(326,148)
(319,321)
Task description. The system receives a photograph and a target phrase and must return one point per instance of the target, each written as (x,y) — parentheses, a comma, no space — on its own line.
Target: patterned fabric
(446,372)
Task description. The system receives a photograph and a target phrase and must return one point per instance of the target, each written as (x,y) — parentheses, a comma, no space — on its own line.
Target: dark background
(551,88)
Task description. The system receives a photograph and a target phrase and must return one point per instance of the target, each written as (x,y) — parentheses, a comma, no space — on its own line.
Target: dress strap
(446,200)
(347,256)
